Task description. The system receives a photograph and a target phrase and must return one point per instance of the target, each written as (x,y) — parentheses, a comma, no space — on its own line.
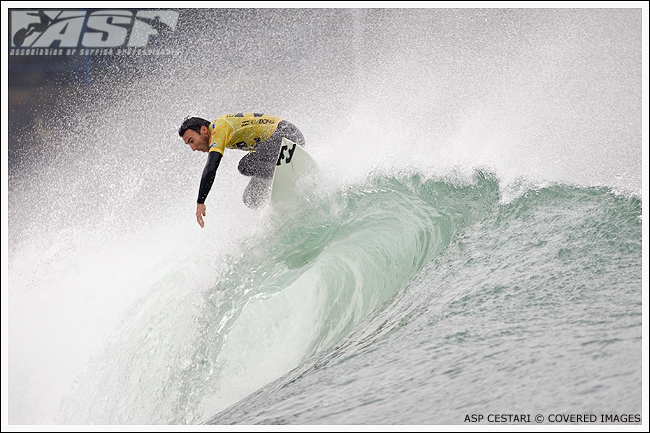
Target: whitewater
(471,243)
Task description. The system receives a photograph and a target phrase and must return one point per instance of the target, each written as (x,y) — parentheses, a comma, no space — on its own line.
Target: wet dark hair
(193,123)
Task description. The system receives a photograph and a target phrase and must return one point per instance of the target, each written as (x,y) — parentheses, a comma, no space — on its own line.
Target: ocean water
(471,245)
(530,307)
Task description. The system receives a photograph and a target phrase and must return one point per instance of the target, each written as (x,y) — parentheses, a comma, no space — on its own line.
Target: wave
(281,296)
(208,334)
(107,264)
(543,286)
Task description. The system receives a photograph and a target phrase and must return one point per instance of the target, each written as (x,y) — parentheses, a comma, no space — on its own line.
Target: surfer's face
(198,141)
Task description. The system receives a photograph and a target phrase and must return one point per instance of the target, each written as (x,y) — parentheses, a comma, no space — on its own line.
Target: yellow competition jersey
(241,131)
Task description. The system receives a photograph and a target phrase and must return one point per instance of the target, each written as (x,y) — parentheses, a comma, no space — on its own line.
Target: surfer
(22,34)
(259,134)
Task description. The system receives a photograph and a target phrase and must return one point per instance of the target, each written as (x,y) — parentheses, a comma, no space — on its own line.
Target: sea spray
(102,191)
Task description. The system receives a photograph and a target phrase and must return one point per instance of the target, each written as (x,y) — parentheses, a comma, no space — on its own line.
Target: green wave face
(353,266)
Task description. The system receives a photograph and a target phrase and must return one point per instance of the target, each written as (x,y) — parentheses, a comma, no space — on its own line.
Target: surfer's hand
(200,213)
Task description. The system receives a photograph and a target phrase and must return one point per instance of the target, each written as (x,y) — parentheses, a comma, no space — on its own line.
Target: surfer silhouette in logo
(22,34)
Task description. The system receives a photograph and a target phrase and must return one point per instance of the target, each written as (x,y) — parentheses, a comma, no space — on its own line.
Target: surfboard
(293,163)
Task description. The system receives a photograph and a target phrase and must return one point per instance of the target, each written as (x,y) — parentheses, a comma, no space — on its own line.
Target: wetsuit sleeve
(209,172)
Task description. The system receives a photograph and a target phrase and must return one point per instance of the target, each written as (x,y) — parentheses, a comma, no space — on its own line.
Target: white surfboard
(293,163)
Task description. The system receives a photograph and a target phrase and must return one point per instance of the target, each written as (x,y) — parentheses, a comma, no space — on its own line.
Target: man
(259,134)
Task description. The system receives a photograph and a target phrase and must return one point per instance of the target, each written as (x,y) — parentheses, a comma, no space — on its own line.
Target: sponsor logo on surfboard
(286,152)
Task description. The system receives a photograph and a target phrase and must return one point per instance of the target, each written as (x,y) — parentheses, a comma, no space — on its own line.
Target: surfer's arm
(209,172)
(207,179)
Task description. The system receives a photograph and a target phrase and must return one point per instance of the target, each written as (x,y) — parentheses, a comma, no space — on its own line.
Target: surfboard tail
(293,163)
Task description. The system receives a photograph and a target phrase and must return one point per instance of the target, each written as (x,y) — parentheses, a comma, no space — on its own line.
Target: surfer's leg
(257,192)
(290,131)
(261,162)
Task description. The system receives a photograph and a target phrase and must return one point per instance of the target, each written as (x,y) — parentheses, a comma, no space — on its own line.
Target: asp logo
(90,29)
